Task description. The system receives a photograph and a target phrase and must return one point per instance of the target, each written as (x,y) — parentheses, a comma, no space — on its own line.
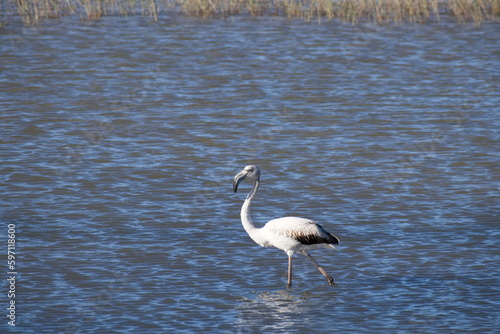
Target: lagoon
(120,138)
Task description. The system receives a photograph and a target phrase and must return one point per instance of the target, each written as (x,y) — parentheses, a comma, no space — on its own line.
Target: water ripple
(120,140)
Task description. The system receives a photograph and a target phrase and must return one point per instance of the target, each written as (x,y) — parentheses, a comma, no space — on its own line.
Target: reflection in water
(276,312)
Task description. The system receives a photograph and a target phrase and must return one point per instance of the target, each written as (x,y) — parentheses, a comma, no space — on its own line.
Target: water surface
(120,138)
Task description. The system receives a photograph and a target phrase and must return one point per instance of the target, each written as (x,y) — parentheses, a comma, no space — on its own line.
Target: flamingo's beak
(238,178)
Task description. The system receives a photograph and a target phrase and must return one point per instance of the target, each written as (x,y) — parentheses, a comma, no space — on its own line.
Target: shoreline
(33,12)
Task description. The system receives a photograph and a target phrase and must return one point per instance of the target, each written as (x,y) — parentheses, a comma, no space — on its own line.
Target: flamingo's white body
(291,234)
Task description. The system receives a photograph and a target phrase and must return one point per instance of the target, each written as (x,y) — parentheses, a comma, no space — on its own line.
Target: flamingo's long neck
(246,220)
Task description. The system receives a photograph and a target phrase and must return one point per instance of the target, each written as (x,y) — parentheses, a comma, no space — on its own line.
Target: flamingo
(291,234)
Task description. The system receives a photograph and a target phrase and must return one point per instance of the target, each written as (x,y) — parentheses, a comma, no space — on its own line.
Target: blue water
(120,139)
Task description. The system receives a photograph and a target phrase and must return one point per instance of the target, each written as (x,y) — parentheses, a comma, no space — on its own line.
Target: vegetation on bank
(381,11)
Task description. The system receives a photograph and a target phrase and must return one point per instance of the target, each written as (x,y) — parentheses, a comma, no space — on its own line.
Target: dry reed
(381,11)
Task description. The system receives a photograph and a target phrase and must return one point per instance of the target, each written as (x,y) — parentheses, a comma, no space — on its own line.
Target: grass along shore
(382,11)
